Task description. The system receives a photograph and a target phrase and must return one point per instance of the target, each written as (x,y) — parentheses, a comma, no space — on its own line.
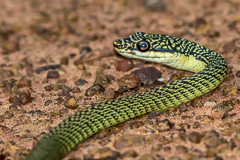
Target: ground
(74,40)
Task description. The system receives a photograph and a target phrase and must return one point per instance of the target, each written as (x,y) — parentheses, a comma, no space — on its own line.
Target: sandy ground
(41,33)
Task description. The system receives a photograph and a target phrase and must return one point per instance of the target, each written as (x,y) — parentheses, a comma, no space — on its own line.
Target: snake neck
(195,57)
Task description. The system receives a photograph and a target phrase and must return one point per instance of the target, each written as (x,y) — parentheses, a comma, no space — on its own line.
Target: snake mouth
(123,48)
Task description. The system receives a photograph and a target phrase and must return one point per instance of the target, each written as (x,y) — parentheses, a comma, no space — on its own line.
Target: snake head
(135,44)
(144,46)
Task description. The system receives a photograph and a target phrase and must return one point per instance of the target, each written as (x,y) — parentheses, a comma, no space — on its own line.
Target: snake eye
(143,46)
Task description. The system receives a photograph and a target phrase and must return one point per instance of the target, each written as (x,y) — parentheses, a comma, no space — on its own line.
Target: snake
(209,69)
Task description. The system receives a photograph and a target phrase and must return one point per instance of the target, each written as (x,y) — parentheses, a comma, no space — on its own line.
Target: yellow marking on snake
(209,67)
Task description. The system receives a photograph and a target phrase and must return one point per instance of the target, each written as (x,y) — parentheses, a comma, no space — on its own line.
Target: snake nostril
(117,43)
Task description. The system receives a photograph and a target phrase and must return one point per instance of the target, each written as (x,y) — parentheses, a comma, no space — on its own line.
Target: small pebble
(55,114)
(207,119)
(230,90)
(164,125)
(72,16)
(183,136)
(45,68)
(81,67)
(167,149)
(195,137)
(148,75)
(209,104)
(129,82)
(183,108)
(13,99)
(160,157)
(229,77)
(221,109)
(238,73)
(71,103)
(196,125)
(49,87)
(58,101)
(66,89)
(124,65)
(72,55)
(85,50)
(218,158)
(80,82)
(9,47)
(234,101)
(24,83)
(75,89)
(199,22)
(64,61)
(110,94)
(184,126)
(79,62)
(229,47)
(95,89)
(8,115)
(211,139)
(105,66)
(156,5)
(196,103)
(101,78)
(47,102)
(53,74)
(129,154)
(181,149)
(25,98)
(157,148)
(86,74)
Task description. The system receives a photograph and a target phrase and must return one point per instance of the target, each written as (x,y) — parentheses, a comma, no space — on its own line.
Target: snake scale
(209,67)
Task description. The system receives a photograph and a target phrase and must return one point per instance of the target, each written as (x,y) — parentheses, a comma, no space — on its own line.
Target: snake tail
(209,67)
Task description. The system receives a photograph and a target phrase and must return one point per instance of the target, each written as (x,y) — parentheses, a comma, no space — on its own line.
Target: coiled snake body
(178,53)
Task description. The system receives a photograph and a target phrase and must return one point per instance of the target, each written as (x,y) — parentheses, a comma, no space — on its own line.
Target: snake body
(209,67)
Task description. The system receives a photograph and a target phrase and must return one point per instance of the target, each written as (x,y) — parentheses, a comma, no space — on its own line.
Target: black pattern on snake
(209,67)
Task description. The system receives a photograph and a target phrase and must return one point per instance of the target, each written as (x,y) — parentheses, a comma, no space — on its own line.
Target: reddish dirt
(42,32)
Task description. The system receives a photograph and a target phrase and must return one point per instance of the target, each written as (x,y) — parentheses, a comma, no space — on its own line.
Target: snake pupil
(143,46)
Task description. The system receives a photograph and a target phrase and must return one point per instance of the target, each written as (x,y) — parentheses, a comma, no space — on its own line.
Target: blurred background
(78,35)
(67,21)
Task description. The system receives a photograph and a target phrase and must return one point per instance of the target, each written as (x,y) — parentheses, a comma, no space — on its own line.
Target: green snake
(209,67)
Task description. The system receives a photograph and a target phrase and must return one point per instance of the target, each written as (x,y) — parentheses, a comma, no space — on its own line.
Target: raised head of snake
(175,52)
(171,51)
